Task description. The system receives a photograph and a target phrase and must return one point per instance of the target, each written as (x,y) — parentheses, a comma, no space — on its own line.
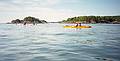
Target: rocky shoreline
(27,20)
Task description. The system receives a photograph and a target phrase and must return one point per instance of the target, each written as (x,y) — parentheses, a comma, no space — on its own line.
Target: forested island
(94,19)
(82,19)
(27,20)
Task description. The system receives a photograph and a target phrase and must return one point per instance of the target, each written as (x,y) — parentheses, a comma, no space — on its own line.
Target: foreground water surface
(52,42)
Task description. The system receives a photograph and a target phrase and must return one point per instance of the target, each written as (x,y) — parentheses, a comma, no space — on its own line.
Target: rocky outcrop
(16,21)
(28,20)
(115,22)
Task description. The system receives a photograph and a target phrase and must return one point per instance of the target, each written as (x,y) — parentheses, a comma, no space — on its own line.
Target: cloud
(50,2)
(41,9)
(48,14)
(45,13)
(29,3)
(54,10)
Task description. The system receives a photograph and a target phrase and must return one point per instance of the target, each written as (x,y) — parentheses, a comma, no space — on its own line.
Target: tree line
(28,20)
(94,19)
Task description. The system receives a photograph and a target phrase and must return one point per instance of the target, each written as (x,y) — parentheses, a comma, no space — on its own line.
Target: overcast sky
(56,10)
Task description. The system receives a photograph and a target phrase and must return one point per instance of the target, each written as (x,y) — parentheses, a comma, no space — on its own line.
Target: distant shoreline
(94,19)
(72,20)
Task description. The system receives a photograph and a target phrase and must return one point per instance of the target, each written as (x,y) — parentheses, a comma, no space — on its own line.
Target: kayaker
(78,24)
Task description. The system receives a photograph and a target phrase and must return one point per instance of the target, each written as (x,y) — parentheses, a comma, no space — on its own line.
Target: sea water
(52,42)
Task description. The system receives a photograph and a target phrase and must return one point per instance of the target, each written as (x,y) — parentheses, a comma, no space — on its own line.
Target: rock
(28,20)
(115,22)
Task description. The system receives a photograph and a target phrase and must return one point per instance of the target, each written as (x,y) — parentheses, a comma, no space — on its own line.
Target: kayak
(77,26)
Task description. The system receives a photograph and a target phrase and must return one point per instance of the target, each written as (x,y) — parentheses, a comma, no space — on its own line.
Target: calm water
(52,42)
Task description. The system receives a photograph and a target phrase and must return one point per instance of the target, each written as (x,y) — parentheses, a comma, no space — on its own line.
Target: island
(28,20)
(94,19)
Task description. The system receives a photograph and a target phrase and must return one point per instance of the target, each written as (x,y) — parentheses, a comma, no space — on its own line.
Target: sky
(56,10)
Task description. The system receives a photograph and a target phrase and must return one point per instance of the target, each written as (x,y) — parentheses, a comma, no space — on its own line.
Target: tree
(94,19)
(16,21)
(29,20)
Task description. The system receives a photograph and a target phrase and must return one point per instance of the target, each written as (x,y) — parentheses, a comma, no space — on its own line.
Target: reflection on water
(52,42)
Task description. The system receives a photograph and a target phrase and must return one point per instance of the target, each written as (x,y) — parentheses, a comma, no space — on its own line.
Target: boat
(77,26)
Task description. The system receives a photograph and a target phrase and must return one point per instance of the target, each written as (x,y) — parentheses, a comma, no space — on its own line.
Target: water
(52,42)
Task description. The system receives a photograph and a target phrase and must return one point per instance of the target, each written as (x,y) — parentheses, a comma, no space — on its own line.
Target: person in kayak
(78,24)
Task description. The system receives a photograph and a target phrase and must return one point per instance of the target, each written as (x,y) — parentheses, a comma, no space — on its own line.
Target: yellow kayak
(77,27)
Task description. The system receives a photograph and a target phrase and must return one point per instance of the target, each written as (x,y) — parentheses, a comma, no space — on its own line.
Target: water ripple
(51,42)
